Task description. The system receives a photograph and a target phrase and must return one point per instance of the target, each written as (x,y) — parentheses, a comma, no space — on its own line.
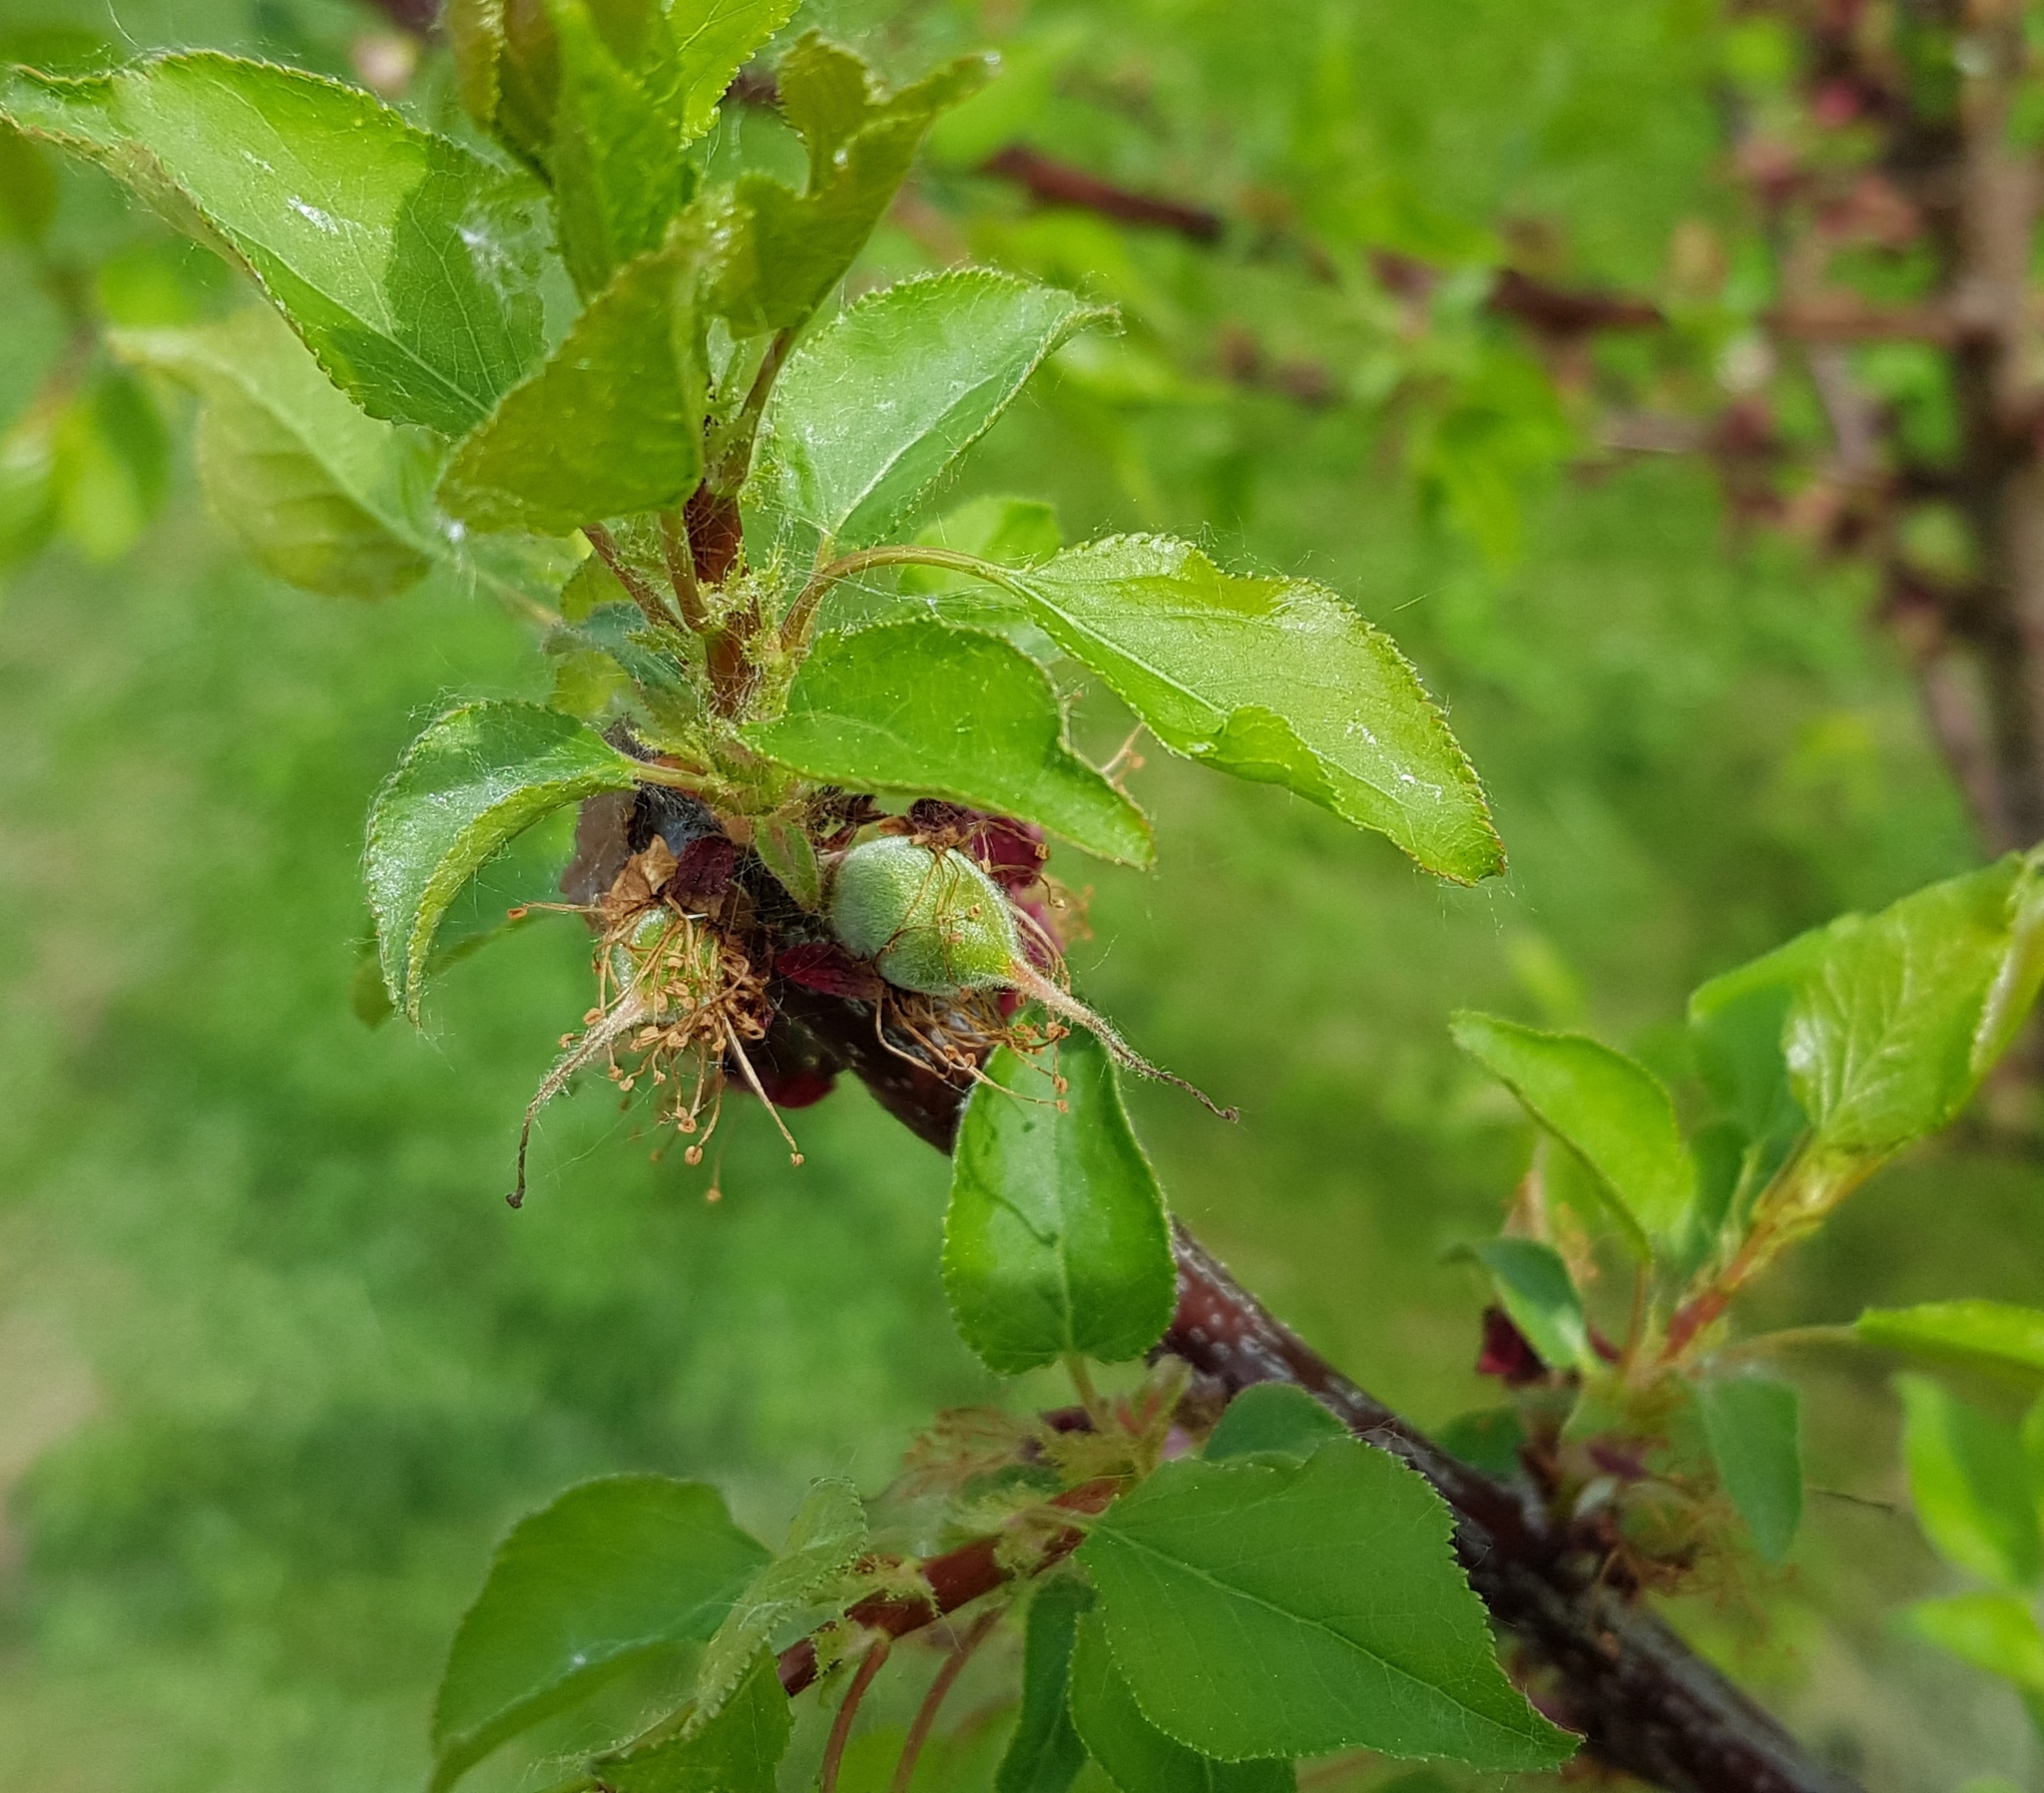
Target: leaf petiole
(802,614)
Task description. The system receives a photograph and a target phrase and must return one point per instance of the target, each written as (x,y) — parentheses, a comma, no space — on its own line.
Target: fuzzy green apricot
(930,922)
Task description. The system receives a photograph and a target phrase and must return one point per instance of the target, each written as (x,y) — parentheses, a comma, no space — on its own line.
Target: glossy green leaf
(784,251)
(1995,1335)
(612,423)
(1970,1484)
(690,60)
(828,1537)
(1993,1631)
(320,494)
(1010,531)
(1055,1240)
(1045,1754)
(1540,1296)
(1889,1035)
(1754,1430)
(477,778)
(1607,1109)
(1272,680)
(1735,1027)
(410,266)
(1138,1757)
(930,710)
(735,1749)
(610,1571)
(619,176)
(881,404)
(1258,1609)
(1272,1418)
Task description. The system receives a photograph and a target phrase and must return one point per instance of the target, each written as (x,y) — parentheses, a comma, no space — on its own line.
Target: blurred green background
(276,1364)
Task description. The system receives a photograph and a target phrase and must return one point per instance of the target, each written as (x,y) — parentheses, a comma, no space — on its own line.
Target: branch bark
(1646,1705)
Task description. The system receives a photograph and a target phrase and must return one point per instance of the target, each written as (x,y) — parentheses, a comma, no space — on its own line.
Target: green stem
(1792,1335)
(1089,1397)
(732,458)
(802,614)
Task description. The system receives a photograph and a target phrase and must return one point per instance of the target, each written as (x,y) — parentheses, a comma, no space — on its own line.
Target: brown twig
(1645,1704)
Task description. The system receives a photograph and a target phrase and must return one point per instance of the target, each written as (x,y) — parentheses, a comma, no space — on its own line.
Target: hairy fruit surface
(930,921)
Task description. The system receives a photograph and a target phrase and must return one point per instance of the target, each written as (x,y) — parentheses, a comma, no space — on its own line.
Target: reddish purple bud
(1012,852)
(1506,1351)
(801,1088)
(704,869)
(826,967)
(1615,1460)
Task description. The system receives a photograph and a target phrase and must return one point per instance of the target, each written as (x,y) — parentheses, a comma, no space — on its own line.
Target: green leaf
(1138,1757)
(1753,1427)
(319,494)
(1735,1027)
(1487,1439)
(472,782)
(28,188)
(109,461)
(410,266)
(612,423)
(733,1750)
(1010,531)
(1258,1609)
(783,250)
(1608,1110)
(618,177)
(828,1537)
(1994,1631)
(1045,1754)
(27,483)
(690,62)
(1971,1484)
(1272,680)
(1055,1240)
(612,1571)
(881,404)
(930,711)
(1272,1419)
(1890,1033)
(786,851)
(1994,1335)
(1540,1296)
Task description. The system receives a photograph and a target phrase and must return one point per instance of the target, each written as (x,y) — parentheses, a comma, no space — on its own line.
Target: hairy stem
(681,570)
(628,576)
(802,614)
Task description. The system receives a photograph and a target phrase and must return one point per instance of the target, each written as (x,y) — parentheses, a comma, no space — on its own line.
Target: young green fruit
(934,923)
(930,922)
